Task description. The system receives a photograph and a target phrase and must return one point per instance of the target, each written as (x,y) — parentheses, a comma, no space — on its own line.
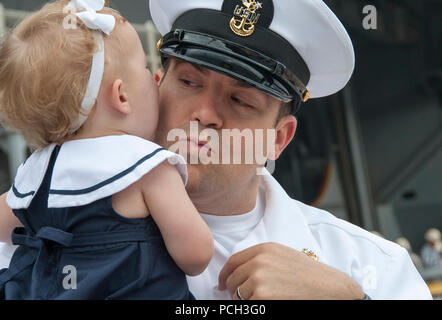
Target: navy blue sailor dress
(74,245)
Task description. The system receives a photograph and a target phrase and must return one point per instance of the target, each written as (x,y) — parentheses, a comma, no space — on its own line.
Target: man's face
(214,101)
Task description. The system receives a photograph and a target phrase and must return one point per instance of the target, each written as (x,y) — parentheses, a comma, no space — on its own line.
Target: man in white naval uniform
(244,64)
(264,240)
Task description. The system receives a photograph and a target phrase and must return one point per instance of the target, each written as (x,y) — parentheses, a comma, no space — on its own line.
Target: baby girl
(98,211)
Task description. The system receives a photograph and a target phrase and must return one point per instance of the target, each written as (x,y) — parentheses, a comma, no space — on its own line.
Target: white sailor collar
(87,170)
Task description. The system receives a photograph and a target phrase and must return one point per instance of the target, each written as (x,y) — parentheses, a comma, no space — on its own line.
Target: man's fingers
(240,275)
(245,291)
(235,261)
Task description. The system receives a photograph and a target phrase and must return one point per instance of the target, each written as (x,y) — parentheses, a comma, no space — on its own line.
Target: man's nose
(206,110)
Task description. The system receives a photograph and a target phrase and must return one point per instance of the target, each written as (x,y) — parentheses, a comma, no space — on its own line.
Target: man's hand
(272,271)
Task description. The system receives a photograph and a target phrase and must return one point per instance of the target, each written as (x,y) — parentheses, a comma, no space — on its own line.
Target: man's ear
(119,99)
(285,131)
(158,76)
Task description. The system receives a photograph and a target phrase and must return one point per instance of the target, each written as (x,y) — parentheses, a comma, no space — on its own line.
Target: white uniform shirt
(229,230)
(382,268)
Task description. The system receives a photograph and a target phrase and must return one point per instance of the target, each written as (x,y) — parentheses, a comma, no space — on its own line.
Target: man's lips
(200,144)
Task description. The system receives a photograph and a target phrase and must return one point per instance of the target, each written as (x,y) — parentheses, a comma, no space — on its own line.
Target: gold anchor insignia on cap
(311,254)
(243,24)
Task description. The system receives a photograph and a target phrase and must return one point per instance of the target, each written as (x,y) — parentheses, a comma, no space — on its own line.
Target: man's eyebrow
(242,84)
(235,82)
(200,68)
(245,85)
(195,66)
(238,83)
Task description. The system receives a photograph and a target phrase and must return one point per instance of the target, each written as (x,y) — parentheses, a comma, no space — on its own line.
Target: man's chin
(194,176)
(201,179)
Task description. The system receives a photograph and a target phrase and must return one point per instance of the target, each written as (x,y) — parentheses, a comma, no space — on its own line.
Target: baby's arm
(186,235)
(8,221)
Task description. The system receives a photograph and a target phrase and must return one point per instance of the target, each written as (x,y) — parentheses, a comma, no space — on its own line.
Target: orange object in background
(435,288)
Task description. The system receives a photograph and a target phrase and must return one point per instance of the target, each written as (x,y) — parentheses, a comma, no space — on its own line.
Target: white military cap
(291,49)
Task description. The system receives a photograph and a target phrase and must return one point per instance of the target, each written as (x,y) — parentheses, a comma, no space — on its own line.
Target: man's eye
(240,102)
(189,83)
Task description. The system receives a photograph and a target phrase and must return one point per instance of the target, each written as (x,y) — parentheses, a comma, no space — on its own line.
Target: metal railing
(12,143)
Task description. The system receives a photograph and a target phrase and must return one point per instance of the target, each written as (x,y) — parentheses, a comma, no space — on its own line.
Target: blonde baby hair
(44,72)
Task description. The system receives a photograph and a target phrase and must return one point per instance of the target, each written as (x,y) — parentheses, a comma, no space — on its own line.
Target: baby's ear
(119,99)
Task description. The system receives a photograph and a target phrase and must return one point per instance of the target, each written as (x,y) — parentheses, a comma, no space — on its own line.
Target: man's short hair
(285,110)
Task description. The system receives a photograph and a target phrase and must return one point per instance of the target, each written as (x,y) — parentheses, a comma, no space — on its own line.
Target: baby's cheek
(152,123)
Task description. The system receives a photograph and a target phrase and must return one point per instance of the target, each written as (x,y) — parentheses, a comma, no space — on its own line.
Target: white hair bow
(100,22)
(90,17)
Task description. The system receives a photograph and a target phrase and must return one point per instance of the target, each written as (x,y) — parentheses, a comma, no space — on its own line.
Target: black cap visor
(234,60)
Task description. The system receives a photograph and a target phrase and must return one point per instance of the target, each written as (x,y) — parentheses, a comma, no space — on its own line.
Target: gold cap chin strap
(305,96)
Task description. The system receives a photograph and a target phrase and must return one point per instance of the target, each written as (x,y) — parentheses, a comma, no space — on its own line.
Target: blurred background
(371,154)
